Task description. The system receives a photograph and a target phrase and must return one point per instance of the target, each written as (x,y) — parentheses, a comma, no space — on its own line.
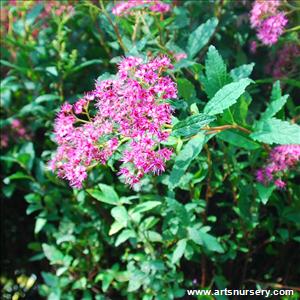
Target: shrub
(207,141)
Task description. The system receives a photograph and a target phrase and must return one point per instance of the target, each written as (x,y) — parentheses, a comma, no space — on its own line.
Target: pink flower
(279,183)
(125,8)
(267,20)
(272,28)
(283,64)
(160,7)
(281,159)
(262,9)
(130,110)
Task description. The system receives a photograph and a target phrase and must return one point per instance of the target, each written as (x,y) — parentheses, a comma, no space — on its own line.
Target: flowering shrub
(149,147)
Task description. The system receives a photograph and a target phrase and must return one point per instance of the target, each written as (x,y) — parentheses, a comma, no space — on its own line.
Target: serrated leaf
(179,251)
(241,72)
(215,71)
(277,131)
(145,206)
(185,157)
(274,107)
(226,96)
(191,125)
(199,38)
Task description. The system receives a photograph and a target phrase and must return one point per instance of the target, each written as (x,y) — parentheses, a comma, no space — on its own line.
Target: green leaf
(209,242)
(106,195)
(191,125)
(193,234)
(215,71)
(124,236)
(46,98)
(16,176)
(226,96)
(120,215)
(185,157)
(179,251)
(277,131)
(276,91)
(106,76)
(186,89)
(115,227)
(264,192)
(39,224)
(26,155)
(238,140)
(199,38)
(33,14)
(145,206)
(241,72)
(85,64)
(153,236)
(107,279)
(53,254)
(274,107)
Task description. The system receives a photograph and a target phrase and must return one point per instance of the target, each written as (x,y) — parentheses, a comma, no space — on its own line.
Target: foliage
(205,222)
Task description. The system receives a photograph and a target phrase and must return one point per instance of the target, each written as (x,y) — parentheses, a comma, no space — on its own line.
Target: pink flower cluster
(15,132)
(58,8)
(283,64)
(267,20)
(130,117)
(125,7)
(281,159)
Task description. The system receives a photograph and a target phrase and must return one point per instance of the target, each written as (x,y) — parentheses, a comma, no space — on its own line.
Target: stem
(115,27)
(145,23)
(211,130)
(136,27)
(208,192)
(293,29)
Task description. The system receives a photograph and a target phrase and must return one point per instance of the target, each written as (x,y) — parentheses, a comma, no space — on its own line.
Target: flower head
(281,159)
(272,28)
(131,110)
(268,21)
(124,8)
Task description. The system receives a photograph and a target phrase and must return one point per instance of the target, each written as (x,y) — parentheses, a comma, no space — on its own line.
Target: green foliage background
(205,222)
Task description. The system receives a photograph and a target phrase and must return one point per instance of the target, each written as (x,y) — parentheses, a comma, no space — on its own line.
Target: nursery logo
(228,292)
